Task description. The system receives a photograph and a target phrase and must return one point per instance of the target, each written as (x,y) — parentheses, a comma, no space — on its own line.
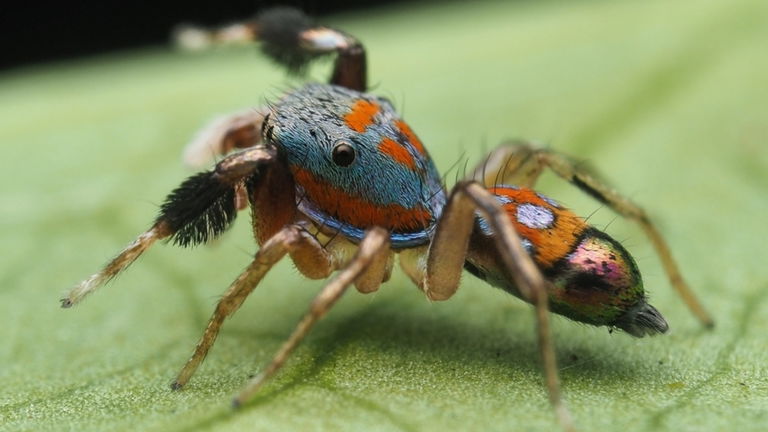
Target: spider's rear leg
(520,164)
(197,211)
(293,40)
(447,254)
(223,135)
(368,264)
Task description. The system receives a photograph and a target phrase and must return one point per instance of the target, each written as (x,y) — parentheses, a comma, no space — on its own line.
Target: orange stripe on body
(361,115)
(357,211)
(397,152)
(410,136)
(552,243)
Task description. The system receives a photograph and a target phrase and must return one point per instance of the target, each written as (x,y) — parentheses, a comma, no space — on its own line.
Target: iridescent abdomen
(593,279)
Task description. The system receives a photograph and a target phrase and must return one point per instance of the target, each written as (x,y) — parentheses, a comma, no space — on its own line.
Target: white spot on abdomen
(534,216)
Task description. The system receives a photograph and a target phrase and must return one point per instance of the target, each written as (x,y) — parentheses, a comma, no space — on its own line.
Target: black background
(34,32)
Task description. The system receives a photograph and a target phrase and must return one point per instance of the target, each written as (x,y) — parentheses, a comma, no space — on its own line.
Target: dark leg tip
(236,404)
(175,386)
(66,303)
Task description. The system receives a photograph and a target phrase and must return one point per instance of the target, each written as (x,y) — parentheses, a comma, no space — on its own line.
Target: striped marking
(357,211)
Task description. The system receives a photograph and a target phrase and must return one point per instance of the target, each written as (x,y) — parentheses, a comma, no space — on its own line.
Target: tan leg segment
(377,272)
(289,238)
(513,164)
(531,284)
(223,135)
(349,69)
(372,247)
(118,264)
(523,166)
(193,213)
(448,250)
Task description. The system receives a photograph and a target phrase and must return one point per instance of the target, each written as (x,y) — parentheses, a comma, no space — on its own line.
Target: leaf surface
(667,99)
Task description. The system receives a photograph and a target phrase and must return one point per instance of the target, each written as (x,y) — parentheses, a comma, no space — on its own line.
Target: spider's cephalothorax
(356,164)
(338,181)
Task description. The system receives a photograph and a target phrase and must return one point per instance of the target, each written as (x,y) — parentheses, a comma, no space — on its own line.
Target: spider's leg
(377,271)
(447,254)
(448,249)
(289,239)
(292,39)
(369,263)
(446,259)
(197,211)
(223,135)
(526,163)
(512,163)
(532,286)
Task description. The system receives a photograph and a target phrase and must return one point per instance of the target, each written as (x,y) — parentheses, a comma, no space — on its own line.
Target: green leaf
(668,99)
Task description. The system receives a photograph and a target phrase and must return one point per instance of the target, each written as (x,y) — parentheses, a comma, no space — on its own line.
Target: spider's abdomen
(356,164)
(593,277)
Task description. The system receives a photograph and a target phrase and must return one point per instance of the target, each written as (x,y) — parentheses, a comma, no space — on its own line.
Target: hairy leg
(289,239)
(292,39)
(365,264)
(447,254)
(200,209)
(223,135)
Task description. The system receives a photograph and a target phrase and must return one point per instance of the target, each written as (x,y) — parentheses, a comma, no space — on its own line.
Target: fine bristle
(278,30)
(199,210)
(643,320)
(117,265)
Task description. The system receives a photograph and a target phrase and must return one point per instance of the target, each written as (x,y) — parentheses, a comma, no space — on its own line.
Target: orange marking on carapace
(357,211)
(361,115)
(551,243)
(397,152)
(411,137)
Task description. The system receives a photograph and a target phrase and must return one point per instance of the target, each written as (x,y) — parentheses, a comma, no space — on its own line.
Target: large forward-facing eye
(343,154)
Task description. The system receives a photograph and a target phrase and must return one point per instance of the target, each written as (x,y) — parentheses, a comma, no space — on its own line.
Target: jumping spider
(338,181)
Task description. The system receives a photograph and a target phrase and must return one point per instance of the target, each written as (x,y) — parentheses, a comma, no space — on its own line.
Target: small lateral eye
(343,154)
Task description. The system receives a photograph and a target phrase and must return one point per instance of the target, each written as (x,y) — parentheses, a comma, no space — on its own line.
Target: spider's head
(355,163)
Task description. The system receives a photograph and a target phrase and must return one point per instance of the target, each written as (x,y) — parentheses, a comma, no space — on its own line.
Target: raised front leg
(292,39)
(520,164)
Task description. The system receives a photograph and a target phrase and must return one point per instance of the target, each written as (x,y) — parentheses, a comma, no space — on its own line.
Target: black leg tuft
(199,210)
(279,29)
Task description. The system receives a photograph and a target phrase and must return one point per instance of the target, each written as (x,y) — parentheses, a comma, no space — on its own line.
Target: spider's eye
(343,154)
